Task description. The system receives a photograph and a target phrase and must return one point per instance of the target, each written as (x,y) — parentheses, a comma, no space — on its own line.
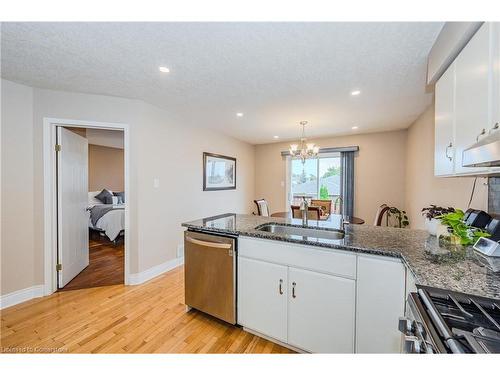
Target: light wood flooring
(147,318)
(106,265)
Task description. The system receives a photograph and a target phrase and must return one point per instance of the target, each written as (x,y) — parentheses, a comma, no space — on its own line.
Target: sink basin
(329,234)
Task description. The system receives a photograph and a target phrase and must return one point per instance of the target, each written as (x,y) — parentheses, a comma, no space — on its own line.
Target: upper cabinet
(472,93)
(444,154)
(467,103)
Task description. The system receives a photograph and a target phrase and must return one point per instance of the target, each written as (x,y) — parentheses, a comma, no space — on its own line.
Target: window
(316,178)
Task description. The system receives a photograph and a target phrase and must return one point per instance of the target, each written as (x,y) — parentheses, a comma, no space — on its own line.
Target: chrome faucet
(344,220)
(341,205)
(304,210)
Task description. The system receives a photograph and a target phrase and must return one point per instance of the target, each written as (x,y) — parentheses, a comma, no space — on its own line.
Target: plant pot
(432,226)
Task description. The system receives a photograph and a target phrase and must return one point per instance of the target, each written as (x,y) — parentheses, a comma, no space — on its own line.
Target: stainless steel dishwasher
(210,274)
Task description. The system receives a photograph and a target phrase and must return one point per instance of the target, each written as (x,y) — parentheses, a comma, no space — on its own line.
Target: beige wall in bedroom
(422,188)
(161,147)
(106,168)
(379,169)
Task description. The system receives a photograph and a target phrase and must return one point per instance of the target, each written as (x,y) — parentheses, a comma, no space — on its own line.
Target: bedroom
(101,228)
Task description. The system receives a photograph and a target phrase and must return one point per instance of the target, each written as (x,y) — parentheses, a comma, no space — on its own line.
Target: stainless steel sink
(329,234)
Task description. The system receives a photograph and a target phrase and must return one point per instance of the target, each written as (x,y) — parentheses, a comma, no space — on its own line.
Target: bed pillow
(92,200)
(120,195)
(105,196)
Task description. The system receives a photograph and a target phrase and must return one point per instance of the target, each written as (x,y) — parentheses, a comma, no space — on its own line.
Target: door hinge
(58,267)
(58,147)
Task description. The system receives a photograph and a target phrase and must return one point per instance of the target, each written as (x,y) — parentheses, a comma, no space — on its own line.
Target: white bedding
(112,223)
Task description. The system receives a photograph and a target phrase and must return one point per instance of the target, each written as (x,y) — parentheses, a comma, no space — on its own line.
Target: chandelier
(306,150)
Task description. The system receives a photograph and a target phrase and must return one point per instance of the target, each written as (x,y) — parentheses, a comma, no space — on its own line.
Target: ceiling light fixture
(354,127)
(239,114)
(306,150)
(276,136)
(164,69)
(355,92)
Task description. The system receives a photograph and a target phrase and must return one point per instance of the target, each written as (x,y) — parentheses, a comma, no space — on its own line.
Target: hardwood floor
(106,266)
(147,318)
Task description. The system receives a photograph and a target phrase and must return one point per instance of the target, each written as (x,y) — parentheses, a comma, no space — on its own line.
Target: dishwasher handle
(217,245)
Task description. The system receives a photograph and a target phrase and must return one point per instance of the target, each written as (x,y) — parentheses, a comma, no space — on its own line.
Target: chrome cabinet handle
(495,127)
(446,152)
(281,286)
(483,132)
(293,289)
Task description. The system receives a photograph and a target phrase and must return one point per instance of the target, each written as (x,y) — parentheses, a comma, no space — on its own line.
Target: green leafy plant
(323,192)
(465,233)
(400,215)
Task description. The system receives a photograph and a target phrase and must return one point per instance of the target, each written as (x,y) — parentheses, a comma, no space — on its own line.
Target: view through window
(316,178)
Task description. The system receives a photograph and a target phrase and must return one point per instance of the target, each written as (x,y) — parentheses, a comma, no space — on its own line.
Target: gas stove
(442,321)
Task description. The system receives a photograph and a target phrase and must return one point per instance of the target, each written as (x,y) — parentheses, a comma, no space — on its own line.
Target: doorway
(91,207)
(69,196)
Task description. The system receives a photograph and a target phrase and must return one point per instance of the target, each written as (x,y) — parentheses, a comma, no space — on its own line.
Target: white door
(380,303)
(472,95)
(321,312)
(72,198)
(262,297)
(444,121)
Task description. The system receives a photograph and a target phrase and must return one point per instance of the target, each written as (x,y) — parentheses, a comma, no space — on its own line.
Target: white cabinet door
(496,80)
(321,312)
(380,303)
(472,95)
(445,124)
(262,297)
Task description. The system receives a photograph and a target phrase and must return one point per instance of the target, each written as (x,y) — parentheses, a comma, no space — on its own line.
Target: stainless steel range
(441,321)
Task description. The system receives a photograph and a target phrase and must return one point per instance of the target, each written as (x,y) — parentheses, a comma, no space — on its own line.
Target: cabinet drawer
(307,257)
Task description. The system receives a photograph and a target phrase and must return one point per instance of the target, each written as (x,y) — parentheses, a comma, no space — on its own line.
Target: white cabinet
(380,302)
(305,299)
(321,312)
(472,95)
(444,156)
(496,80)
(467,102)
(262,297)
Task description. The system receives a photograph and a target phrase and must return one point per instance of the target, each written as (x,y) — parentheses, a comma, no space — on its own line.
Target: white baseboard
(141,277)
(23,295)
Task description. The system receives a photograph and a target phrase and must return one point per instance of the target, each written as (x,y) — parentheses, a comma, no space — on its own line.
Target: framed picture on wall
(219,172)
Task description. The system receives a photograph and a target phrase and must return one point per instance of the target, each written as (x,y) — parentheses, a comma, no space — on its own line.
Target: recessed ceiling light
(355,92)
(276,136)
(164,69)
(239,114)
(354,127)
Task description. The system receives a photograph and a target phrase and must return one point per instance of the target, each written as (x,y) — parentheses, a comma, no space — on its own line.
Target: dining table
(288,214)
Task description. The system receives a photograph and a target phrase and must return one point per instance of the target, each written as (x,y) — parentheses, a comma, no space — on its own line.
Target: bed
(108,219)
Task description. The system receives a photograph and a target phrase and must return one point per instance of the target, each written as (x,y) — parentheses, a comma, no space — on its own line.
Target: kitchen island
(318,288)
(416,248)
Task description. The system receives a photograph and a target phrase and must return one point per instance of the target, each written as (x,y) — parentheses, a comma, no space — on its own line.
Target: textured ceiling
(277,74)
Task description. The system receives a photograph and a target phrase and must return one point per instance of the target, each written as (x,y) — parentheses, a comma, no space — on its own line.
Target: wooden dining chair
(324,204)
(262,207)
(382,210)
(313,213)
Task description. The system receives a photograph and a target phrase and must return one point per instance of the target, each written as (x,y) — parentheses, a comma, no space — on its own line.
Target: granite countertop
(431,265)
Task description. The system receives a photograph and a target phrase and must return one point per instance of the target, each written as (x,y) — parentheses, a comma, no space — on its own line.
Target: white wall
(160,147)
(17,241)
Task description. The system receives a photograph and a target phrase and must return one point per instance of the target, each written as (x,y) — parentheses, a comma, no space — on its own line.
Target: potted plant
(431,215)
(460,234)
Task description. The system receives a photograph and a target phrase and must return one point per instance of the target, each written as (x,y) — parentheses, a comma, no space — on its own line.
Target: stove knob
(412,345)
(405,326)
(419,330)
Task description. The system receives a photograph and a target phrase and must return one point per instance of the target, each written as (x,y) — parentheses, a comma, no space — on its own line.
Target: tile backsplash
(494,195)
